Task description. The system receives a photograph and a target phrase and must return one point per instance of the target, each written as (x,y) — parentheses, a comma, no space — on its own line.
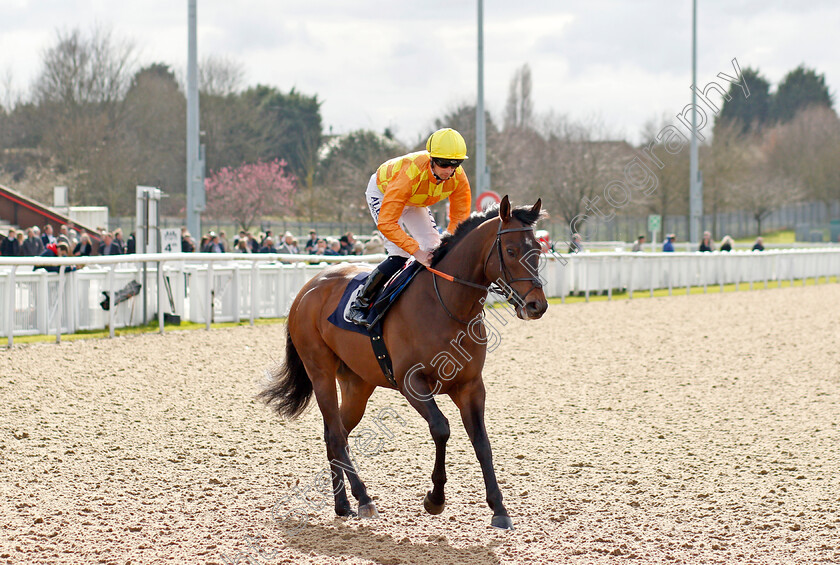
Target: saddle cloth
(387,296)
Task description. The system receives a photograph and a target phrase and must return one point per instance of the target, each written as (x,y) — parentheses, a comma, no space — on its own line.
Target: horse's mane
(524,214)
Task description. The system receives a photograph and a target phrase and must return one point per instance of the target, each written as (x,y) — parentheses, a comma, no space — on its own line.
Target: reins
(509,293)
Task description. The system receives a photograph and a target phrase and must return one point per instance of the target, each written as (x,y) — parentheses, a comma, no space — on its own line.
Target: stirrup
(358,316)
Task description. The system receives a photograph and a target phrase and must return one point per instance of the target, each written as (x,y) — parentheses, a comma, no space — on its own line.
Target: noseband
(510,294)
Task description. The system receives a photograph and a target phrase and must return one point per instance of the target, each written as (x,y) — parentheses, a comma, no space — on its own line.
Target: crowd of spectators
(287,243)
(34,242)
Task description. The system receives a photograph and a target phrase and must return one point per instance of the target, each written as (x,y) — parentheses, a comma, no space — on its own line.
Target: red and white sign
(487,199)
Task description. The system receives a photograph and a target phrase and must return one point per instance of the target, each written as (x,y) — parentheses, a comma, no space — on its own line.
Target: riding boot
(378,277)
(359,310)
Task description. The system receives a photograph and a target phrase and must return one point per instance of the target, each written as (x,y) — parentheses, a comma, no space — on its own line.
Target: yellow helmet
(447,143)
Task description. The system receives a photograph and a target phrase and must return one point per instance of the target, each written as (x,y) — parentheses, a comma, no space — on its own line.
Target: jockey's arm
(460,202)
(393,204)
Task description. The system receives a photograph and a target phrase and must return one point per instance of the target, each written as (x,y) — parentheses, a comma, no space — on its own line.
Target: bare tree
(806,148)
(665,149)
(9,96)
(81,70)
(461,117)
(574,167)
(79,92)
(219,76)
(762,190)
(724,163)
(519,107)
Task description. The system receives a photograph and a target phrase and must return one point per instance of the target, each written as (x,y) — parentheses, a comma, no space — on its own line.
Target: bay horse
(433,315)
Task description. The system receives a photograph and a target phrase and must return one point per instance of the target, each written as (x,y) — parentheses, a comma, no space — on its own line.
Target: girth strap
(381,353)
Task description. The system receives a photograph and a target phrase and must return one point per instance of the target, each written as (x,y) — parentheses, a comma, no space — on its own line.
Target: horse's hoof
(368,511)
(502,522)
(345,513)
(431,507)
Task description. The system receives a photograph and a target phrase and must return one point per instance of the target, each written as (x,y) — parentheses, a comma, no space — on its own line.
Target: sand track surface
(698,429)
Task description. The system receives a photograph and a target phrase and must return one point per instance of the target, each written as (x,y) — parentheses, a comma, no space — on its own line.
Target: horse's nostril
(534,307)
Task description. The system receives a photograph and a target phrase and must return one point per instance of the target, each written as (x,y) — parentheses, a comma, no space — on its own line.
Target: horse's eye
(510,252)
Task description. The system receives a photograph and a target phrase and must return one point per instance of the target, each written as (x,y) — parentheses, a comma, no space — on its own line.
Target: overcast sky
(384,63)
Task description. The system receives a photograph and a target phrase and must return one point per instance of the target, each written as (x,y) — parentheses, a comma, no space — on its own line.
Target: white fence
(588,273)
(250,286)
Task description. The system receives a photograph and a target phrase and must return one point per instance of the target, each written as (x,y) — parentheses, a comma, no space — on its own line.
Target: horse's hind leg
(354,396)
(321,366)
(342,504)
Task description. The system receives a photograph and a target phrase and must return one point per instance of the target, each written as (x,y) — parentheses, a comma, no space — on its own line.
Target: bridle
(510,294)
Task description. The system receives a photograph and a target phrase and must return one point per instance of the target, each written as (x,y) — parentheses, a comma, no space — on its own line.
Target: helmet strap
(432,167)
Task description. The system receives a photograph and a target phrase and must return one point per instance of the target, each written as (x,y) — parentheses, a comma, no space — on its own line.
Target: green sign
(654,222)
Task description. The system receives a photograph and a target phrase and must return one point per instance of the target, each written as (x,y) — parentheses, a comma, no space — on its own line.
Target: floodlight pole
(195,157)
(482,173)
(695,193)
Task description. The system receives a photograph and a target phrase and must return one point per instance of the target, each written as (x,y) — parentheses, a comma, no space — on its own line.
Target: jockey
(399,194)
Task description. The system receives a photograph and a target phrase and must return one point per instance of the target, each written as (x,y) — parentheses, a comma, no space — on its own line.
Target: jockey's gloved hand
(423,257)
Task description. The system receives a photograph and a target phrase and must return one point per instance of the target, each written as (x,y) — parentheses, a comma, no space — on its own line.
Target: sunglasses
(447,163)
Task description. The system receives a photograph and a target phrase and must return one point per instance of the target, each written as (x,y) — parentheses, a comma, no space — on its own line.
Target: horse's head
(514,265)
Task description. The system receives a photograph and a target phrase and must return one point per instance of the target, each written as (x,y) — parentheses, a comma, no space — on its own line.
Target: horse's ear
(535,209)
(504,209)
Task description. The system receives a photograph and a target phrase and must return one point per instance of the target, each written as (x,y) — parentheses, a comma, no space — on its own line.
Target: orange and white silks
(408,181)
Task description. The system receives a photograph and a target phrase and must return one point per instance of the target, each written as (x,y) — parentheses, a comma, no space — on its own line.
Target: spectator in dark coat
(9,245)
(109,246)
(33,246)
(311,243)
(19,241)
(187,243)
(759,244)
(706,243)
(118,239)
(47,236)
(268,246)
(668,246)
(212,245)
(84,248)
(333,248)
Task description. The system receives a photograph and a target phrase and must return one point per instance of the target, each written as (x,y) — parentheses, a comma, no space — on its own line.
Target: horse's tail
(289,390)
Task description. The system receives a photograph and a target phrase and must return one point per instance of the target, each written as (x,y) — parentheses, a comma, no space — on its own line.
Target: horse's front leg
(469,398)
(417,392)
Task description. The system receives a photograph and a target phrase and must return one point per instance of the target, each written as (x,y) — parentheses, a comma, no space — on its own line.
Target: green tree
(345,169)
(289,128)
(232,131)
(155,118)
(746,114)
(292,128)
(801,88)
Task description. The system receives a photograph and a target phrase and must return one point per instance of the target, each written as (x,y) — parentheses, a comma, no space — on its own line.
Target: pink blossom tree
(249,192)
